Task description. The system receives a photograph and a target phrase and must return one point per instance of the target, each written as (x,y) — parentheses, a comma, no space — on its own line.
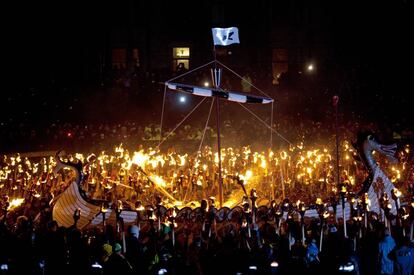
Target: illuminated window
(119,58)
(181,52)
(280,59)
(181,59)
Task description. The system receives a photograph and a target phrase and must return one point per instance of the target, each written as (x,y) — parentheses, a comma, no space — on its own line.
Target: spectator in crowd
(386,245)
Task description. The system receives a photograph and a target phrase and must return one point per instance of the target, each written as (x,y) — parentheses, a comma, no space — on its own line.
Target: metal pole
(365,220)
(335,104)
(344,216)
(216,75)
(337,141)
(173,234)
(220,180)
(103,222)
(321,238)
(303,232)
(282,181)
(271,125)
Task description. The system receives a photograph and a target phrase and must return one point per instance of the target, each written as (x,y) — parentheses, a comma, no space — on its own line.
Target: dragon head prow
(387,150)
(76,166)
(366,144)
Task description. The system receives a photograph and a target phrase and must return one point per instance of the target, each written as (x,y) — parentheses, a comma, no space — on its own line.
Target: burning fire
(14,203)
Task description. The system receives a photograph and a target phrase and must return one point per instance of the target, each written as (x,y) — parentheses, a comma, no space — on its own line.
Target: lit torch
(14,203)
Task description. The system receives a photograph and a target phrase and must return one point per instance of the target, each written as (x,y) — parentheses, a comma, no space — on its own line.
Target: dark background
(58,57)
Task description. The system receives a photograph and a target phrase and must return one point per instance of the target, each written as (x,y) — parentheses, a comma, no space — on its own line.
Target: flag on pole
(225,36)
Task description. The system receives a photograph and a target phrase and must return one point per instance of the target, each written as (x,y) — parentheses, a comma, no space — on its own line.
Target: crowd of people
(35,244)
(241,132)
(122,110)
(237,246)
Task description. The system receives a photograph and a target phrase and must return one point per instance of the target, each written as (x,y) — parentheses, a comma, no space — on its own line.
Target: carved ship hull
(71,200)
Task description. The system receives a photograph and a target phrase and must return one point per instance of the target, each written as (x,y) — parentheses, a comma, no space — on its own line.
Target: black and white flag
(225,36)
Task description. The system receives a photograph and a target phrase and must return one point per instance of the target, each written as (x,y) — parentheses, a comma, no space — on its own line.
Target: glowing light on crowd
(303,170)
(140,158)
(14,203)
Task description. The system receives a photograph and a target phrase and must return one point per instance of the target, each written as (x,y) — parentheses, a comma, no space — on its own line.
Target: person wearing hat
(106,252)
(133,253)
(386,245)
(312,253)
(134,231)
(114,262)
(118,248)
(403,257)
